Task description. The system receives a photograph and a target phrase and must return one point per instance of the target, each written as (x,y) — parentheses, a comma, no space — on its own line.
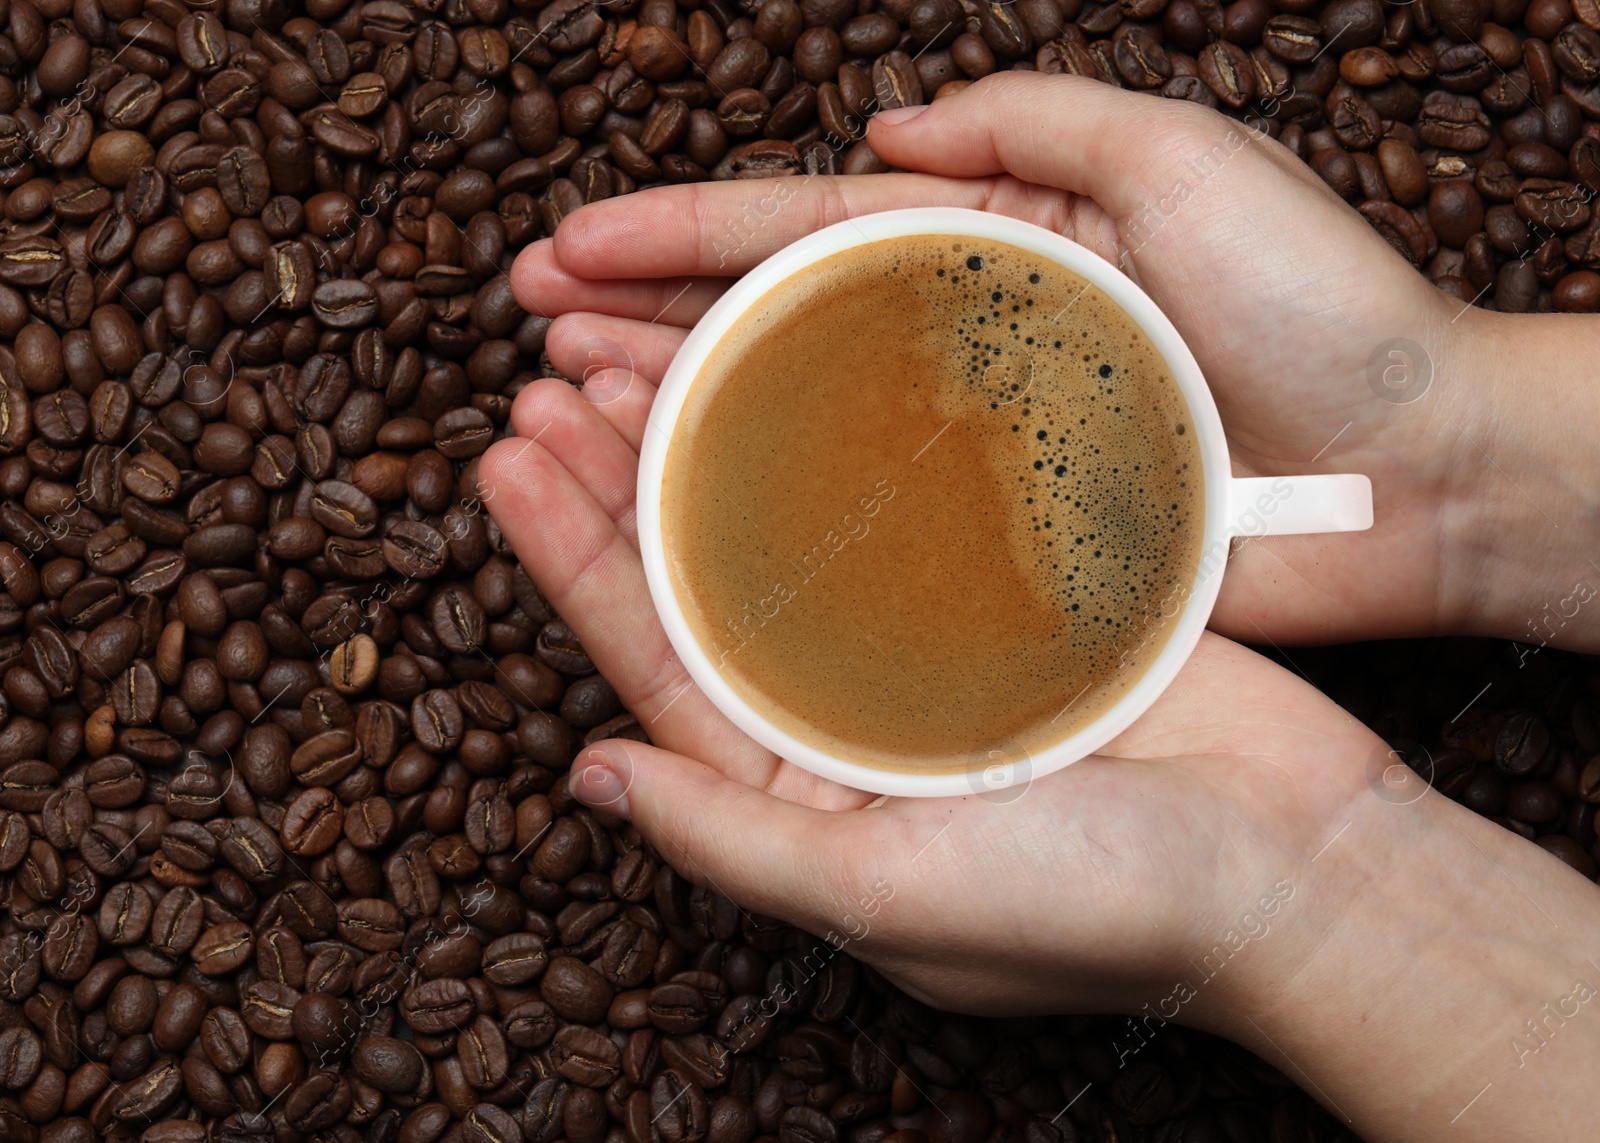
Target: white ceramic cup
(1261,506)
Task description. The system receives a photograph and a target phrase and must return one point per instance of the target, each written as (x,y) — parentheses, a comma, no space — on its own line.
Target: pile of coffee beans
(1511,731)
(1467,133)
(285,836)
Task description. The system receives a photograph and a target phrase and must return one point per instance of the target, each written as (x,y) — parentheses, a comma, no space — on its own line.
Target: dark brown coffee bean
(677,1009)
(178,921)
(21,1054)
(124,915)
(1553,205)
(387,1064)
(251,850)
(223,948)
(343,509)
(1578,293)
(344,304)
(678,1109)
(319,1101)
(1227,71)
(437,1006)
(69,948)
(437,722)
(106,849)
(515,959)
(1448,121)
(225,1040)
(312,823)
(576,991)
(1400,228)
(483,1054)
(487,1123)
(585,1057)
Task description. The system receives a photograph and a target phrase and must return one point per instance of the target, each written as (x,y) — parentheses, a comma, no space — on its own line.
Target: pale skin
(1409,942)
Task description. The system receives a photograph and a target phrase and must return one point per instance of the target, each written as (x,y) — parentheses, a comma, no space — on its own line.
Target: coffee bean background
(285,840)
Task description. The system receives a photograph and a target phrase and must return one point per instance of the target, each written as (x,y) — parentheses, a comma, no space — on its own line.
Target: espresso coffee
(933,501)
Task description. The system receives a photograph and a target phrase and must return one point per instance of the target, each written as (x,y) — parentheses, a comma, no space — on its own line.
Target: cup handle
(1296,505)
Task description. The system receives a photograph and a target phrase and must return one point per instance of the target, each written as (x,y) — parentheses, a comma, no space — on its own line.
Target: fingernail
(601,777)
(894,116)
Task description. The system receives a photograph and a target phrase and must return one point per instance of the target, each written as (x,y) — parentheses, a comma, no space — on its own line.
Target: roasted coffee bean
(487,1123)
(312,823)
(437,1006)
(678,1109)
(344,304)
(575,990)
(387,1064)
(223,948)
(1400,228)
(21,1054)
(458,620)
(437,721)
(1227,71)
(251,850)
(319,1101)
(1453,123)
(483,1054)
(585,1057)
(1521,744)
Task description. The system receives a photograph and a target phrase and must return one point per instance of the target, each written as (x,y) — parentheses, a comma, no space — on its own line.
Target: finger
(1001,124)
(728,227)
(784,859)
(620,396)
(542,287)
(583,343)
(583,442)
(623,398)
(589,572)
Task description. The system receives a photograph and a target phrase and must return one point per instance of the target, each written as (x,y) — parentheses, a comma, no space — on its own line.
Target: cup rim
(1004,769)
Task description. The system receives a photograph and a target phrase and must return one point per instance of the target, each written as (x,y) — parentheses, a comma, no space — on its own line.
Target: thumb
(776,857)
(1120,148)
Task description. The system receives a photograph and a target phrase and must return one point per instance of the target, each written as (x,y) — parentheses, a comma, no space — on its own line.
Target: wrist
(1522,520)
(1425,942)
